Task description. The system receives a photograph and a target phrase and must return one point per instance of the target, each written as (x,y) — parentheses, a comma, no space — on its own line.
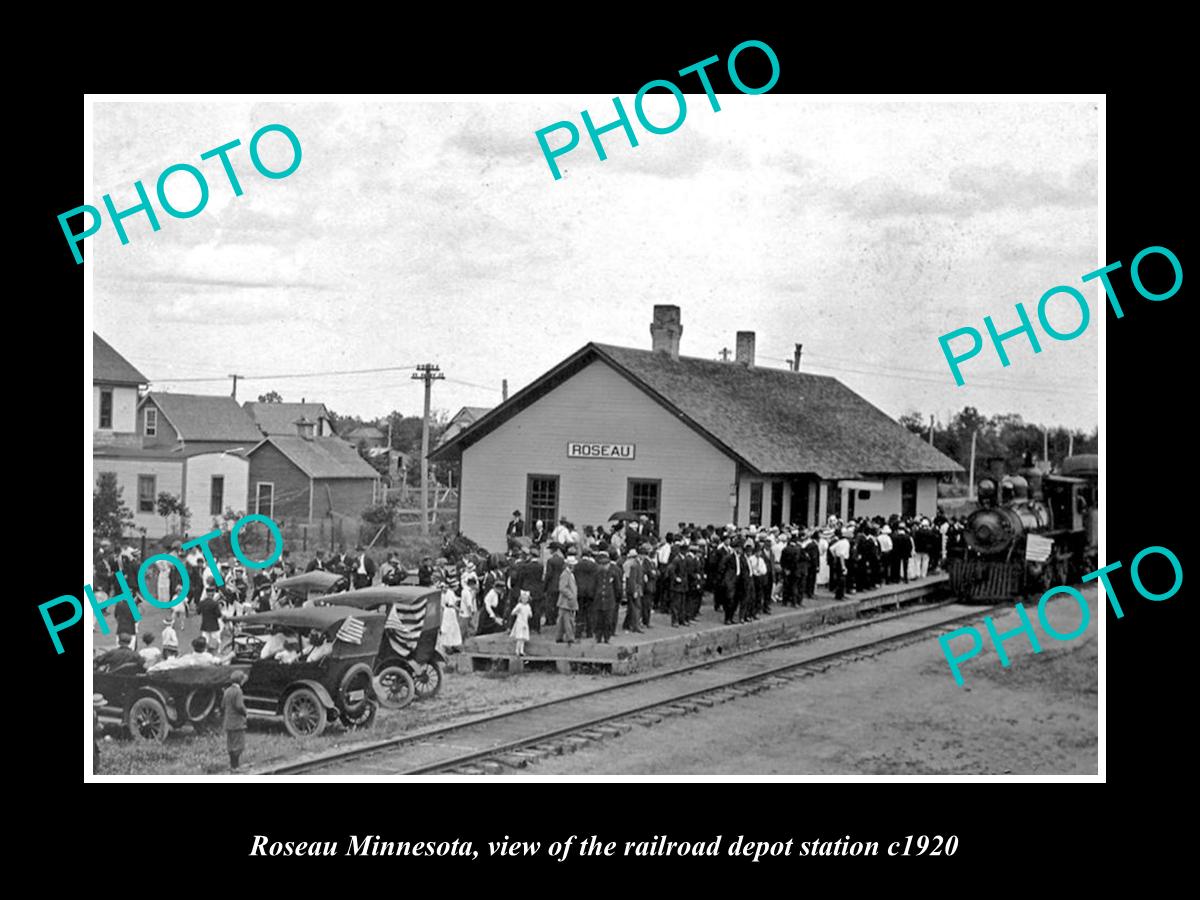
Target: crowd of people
(576,582)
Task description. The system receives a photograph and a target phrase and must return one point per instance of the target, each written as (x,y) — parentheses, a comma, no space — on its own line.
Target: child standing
(520,627)
(234,704)
(170,640)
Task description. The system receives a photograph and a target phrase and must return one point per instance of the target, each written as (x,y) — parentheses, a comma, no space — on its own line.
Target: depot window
(541,500)
(644,497)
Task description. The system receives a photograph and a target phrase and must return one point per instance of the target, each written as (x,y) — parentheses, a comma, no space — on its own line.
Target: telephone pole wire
(429,373)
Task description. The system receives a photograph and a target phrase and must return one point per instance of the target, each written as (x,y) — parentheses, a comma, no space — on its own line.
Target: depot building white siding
(639,441)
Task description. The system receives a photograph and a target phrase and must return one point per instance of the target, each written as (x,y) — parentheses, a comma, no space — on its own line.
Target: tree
(169,505)
(914,422)
(110,516)
(270,397)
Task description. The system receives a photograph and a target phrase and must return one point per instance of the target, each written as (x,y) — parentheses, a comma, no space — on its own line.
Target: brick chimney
(796,357)
(745,348)
(665,330)
(305,427)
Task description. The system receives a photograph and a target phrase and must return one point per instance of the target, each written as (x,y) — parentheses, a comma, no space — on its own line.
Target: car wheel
(303,713)
(148,720)
(364,718)
(394,687)
(427,679)
(354,690)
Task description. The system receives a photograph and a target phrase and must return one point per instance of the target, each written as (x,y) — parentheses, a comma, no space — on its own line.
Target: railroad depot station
(683,439)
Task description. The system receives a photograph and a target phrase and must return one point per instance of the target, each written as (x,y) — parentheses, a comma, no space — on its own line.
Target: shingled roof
(321,457)
(203,417)
(773,421)
(110,367)
(280,418)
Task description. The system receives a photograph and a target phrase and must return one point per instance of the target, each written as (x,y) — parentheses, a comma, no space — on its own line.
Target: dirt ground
(899,713)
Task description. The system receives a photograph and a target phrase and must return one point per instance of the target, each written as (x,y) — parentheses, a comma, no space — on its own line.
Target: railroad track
(509,740)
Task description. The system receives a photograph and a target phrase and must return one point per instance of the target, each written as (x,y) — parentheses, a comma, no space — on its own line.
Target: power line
(486,387)
(289,375)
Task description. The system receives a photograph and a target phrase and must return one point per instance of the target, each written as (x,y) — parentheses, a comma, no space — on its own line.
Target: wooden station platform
(662,645)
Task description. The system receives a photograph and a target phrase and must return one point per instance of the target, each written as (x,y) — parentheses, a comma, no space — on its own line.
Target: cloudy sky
(417,232)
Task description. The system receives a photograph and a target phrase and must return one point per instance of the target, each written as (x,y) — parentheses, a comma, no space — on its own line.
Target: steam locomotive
(1032,532)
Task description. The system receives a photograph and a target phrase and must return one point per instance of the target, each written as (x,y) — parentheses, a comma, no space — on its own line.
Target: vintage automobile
(309,584)
(412,646)
(306,694)
(150,704)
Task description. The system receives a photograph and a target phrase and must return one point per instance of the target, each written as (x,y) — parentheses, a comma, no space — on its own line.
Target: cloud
(971,190)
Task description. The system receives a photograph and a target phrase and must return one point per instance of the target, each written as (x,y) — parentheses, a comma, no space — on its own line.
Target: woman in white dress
(450,637)
(467,607)
(823,569)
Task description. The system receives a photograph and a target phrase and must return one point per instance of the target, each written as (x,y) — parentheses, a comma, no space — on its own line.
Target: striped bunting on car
(404,623)
(351,631)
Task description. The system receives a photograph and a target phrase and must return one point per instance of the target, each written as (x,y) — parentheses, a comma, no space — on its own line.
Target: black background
(1001,827)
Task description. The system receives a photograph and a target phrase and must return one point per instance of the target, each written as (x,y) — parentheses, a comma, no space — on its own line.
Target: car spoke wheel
(354,690)
(363,718)
(427,678)
(303,713)
(148,720)
(394,687)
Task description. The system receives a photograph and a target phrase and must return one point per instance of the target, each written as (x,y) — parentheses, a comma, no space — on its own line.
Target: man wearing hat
(738,581)
(839,556)
(695,583)
(516,527)
(791,559)
(635,585)
(649,581)
(810,550)
(555,565)
(568,600)
(677,581)
(234,705)
(604,606)
(363,569)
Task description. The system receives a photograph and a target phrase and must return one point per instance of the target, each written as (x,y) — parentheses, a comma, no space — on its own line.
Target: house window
(216,504)
(644,497)
(541,500)
(146,493)
(106,409)
(756,502)
(264,499)
(151,423)
(908,497)
(864,495)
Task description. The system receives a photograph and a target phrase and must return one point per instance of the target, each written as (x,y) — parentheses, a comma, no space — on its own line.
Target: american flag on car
(351,631)
(404,623)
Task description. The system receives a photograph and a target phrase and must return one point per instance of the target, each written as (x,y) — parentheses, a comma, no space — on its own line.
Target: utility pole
(971,472)
(931,429)
(1070,443)
(1046,445)
(429,373)
(235,381)
(503,390)
(725,354)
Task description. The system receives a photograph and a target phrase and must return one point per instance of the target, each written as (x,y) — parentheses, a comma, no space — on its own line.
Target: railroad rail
(508,740)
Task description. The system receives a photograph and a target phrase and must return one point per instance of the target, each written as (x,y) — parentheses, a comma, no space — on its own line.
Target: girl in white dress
(467,606)
(450,637)
(520,628)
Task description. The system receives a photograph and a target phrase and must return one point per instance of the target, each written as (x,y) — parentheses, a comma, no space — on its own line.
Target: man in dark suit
(362,568)
(812,550)
(317,563)
(528,577)
(695,584)
(550,579)
(587,572)
(737,581)
(790,562)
